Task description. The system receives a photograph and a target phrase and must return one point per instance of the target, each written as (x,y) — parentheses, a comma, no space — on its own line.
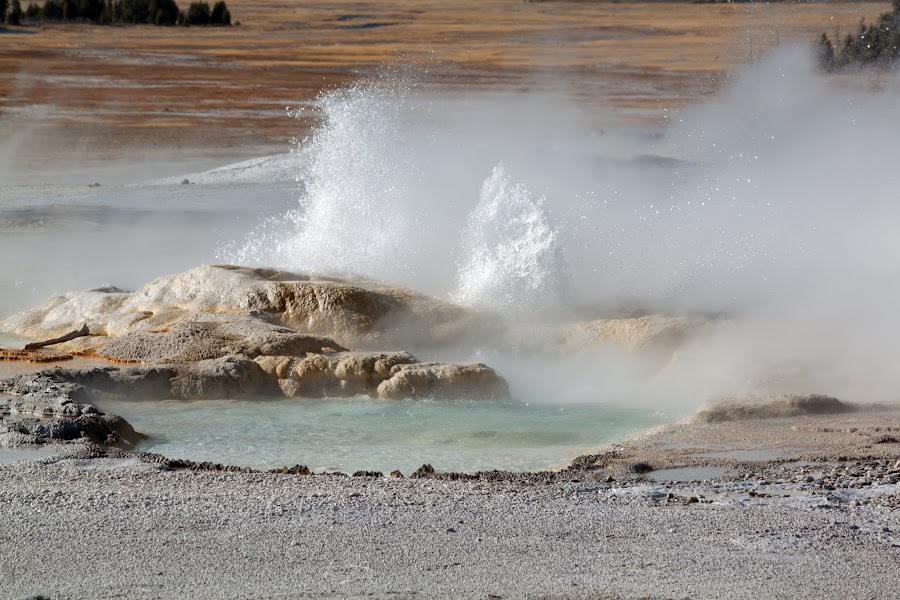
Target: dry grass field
(87,91)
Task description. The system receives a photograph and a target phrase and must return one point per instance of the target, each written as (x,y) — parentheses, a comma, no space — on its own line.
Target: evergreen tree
(850,53)
(70,10)
(15,13)
(90,9)
(825,53)
(163,12)
(53,10)
(198,13)
(220,14)
(134,11)
(4,5)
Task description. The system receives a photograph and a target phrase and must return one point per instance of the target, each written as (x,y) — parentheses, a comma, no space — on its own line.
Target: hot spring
(770,210)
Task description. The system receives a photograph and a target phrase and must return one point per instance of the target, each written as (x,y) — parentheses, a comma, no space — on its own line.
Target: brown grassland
(107,91)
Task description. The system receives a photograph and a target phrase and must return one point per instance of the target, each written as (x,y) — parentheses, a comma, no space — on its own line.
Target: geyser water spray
(392,188)
(512,261)
(774,204)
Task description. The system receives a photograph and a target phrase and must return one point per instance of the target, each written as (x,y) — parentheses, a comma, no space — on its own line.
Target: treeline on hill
(876,45)
(154,12)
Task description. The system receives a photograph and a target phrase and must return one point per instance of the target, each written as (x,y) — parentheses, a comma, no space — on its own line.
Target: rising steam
(775,204)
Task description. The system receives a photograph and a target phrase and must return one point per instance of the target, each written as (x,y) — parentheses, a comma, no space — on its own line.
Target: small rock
(640,467)
(396,474)
(378,474)
(295,470)
(424,471)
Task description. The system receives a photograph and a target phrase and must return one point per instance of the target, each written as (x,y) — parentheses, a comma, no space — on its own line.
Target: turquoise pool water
(366,434)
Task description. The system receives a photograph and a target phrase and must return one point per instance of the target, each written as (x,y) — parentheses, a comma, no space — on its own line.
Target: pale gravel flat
(118,528)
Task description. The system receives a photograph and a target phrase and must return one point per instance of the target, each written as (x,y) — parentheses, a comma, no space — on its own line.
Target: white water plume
(513,259)
(355,173)
(389,182)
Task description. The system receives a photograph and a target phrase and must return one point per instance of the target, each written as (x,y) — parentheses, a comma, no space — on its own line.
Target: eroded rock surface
(441,380)
(356,312)
(45,409)
(338,374)
(771,407)
(655,336)
(203,337)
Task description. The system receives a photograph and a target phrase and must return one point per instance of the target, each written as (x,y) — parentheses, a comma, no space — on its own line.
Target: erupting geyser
(774,205)
(512,261)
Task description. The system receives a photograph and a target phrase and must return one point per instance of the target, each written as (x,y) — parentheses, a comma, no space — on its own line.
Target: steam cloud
(774,203)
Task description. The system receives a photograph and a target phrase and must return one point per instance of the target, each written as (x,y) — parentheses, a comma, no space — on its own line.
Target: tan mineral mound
(355,312)
(656,337)
(234,302)
(218,331)
(773,407)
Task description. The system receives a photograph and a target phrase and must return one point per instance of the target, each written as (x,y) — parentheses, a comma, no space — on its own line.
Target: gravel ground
(118,527)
